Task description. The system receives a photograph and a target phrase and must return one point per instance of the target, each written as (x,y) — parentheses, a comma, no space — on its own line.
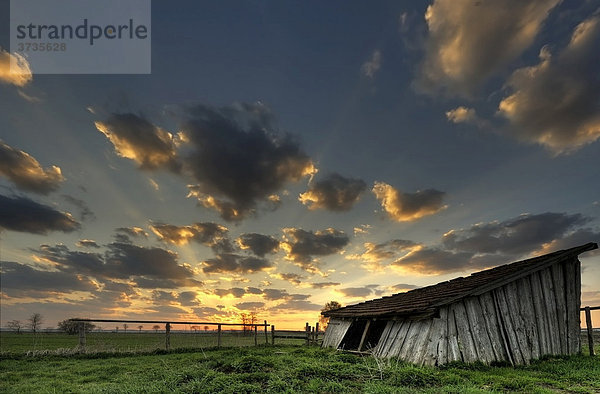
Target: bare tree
(125,327)
(205,328)
(35,322)
(140,328)
(156,327)
(15,325)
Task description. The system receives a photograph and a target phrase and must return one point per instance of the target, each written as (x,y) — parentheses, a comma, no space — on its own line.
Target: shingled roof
(426,300)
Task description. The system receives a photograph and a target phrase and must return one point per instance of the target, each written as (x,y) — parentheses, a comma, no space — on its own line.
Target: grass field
(123,368)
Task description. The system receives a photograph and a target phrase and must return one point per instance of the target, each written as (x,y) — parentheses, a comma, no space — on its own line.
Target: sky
(281,155)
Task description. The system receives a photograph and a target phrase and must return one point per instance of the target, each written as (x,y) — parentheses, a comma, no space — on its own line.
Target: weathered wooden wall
(336,329)
(520,321)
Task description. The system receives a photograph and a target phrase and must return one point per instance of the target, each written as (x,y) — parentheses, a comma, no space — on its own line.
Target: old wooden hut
(513,313)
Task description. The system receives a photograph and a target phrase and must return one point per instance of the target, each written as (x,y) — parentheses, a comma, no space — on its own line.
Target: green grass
(282,369)
(106,341)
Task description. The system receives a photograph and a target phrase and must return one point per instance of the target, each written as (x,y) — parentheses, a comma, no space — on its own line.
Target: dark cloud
(555,102)
(132,231)
(469,41)
(403,287)
(26,173)
(20,280)
(356,291)
(87,243)
(302,245)
(404,207)
(322,285)
(517,236)
(85,213)
(188,298)
(292,278)
(236,292)
(246,306)
(233,263)
(147,266)
(209,234)
(207,312)
(133,137)
(162,297)
(238,158)
(258,244)
(333,193)
(25,215)
(275,294)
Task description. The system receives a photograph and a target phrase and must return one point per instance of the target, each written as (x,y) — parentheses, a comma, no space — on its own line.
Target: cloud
(356,292)
(87,243)
(147,266)
(375,254)
(371,66)
(333,193)
(435,261)
(20,280)
(206,233)
(322,285)
(134,231)
(297,305)
(462,115)
(25,215)
(555,103)
(402,287)
(236,292)
(294,279)
(238,158)
(246,306)
(209,312)
(233,263)
(188,298)
(301,245)
(85,212)
(469,41)
(258,244)
(26,172)
(133,137)
(517,236)
(14,69)
(404,207)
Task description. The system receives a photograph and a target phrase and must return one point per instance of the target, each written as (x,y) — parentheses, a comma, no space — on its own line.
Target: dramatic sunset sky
(285,154)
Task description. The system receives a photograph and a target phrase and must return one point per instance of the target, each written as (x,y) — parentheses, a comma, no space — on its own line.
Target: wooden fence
(311,335)
(590,328)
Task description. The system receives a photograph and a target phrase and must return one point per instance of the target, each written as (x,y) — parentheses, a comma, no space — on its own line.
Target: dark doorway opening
(354,335)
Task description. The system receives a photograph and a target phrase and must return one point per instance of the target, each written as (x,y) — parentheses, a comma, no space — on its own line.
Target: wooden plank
(466,342)
(528,316)
(493,327)
(336,329)
(442,345)
(400,338)
(505,321)
(541,315)
(589,329)
(481,338)
(409,341)
(384,337)
(364,335)
(453,348)
(421,342)
(578,297)
(561,307)
(573,323)
(548,290)
(436,336)
(519,325)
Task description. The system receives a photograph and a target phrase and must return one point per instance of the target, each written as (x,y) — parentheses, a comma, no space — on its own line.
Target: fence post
(168,336)
(316,333)
(307,330)
(81,334)
(219,335)
(266,334)
(272,334)
(590,328)
(255,335)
